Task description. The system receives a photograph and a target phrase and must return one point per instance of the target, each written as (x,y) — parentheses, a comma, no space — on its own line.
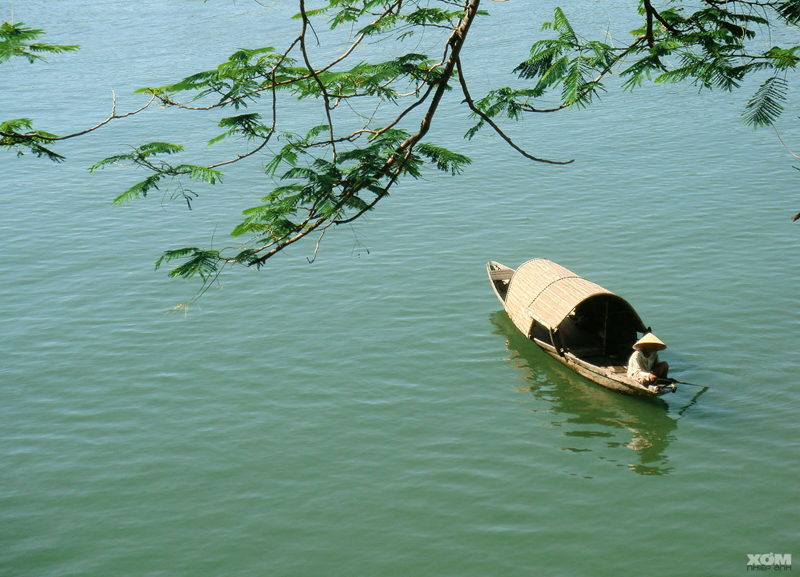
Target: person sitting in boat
(644,366)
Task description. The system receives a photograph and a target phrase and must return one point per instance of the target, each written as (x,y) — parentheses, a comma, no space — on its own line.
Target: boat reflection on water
(625,430)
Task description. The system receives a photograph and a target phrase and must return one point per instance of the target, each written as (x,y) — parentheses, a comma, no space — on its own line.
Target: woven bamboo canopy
(543,292)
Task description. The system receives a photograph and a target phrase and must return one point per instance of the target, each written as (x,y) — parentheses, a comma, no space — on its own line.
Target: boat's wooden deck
(501,278)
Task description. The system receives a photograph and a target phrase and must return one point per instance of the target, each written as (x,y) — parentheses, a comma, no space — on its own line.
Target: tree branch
(491,123)
(112,116)
(395,163)
(319,82)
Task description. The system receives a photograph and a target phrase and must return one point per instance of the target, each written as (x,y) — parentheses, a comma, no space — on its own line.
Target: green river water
(375,412)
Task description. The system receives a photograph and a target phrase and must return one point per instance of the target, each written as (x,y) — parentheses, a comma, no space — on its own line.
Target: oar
(671,380)
(693,401)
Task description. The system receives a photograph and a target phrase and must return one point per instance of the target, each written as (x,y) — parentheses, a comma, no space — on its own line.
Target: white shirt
(640,366)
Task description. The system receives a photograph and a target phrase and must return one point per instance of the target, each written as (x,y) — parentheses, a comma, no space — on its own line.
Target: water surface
(375,413)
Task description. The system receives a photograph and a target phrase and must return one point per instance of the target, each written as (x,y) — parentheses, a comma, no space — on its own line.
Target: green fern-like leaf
(199,173)
(199,262)
(139,190)
(790,11)
(766,104)
(139,156)
(446,160)
(17,40)
(17,134)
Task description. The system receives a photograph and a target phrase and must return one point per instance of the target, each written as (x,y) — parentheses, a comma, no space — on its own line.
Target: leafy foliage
(767,103)
(205,263)
(377,113)
(144,157)
(12,137)
(17,40)
(714,47)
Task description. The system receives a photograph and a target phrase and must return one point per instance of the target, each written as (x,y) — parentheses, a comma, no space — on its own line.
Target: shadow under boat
(621,423)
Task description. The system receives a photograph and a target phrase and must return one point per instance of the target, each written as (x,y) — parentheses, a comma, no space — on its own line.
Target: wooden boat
(581,324)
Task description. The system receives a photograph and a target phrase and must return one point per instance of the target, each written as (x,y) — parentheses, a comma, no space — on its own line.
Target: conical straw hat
(650,339)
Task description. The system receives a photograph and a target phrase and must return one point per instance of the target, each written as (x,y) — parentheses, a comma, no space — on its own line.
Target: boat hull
(603,376)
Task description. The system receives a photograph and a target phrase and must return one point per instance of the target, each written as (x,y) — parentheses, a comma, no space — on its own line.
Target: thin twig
(782,142)
(315,74)
(491,123)
(112,116)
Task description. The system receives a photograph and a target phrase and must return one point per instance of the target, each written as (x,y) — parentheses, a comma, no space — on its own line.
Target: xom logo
(769,562)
